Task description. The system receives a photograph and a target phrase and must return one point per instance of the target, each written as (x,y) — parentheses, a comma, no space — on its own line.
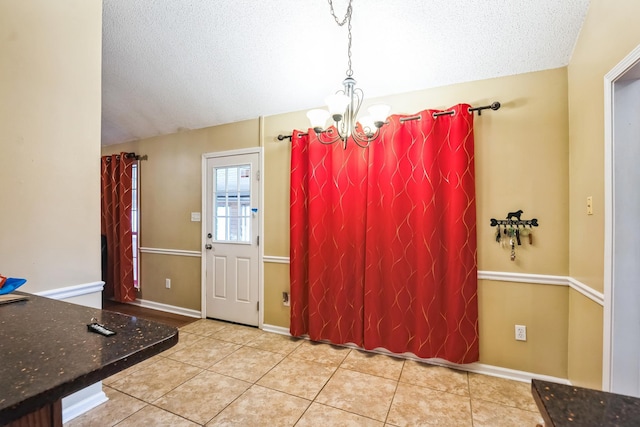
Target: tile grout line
(145,405)
(316,395)
(325,384)
(404,364)
(470,399)
(241,394)
(290,355)
(130,415)
(254,383)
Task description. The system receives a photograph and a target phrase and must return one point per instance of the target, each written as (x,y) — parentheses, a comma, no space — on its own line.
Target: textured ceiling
(170,65)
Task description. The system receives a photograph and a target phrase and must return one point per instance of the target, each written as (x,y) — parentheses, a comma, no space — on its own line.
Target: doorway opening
(621,346)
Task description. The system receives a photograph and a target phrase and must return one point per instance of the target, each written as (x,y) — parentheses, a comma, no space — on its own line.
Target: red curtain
(387,244)
(116,226)
(421,272)
(328,205)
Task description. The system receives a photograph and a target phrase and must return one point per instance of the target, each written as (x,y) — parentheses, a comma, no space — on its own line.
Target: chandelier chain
(347,20)
(344,107)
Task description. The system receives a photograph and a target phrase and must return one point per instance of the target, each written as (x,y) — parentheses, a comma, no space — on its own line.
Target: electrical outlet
(167,283)
(521,333)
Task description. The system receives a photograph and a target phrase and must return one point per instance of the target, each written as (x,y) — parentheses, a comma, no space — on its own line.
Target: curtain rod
(493,106)
(136,156)
(131,156)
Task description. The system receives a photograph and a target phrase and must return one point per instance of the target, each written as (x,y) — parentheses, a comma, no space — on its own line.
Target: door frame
(203,233)
(629,67)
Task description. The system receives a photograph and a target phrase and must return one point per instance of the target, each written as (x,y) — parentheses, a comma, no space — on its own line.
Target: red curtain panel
(421,272)
(116,225)
(328,204)
(383,240)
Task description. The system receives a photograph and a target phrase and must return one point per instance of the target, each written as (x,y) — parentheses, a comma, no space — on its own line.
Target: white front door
(232,198)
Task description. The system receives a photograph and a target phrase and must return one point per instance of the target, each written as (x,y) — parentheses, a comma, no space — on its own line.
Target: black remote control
(100,329)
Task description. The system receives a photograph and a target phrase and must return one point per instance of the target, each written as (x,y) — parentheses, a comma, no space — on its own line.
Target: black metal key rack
(512,229)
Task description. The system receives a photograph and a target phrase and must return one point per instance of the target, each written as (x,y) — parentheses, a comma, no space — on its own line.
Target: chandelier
(344,105)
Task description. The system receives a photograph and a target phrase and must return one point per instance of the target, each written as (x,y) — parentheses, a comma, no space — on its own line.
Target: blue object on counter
(11,284)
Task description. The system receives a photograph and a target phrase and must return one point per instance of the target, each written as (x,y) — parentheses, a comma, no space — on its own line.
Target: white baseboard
(276,259)
(167,308)
(276,329)
(478,368)
(82,401)
(495,371)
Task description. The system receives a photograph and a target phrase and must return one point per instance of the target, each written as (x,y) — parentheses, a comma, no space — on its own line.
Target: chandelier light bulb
(318,119)
(368,125)
(337,104)
(379,114)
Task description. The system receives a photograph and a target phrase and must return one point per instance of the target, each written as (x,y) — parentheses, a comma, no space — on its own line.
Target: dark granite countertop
(46,351)
(563,405)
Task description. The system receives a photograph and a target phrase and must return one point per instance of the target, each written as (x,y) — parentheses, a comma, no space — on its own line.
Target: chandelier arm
(332,139)
(342,128)
(363,140)
(359,95)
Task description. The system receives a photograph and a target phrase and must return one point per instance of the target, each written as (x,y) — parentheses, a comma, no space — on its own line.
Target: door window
(232,212)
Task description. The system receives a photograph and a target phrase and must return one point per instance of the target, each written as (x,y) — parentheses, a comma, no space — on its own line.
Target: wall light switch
(195,216)
(590,205)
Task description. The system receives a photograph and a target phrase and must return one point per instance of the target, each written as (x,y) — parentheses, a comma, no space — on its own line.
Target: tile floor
(222,374)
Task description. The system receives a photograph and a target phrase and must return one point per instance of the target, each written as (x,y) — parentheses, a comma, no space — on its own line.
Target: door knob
(208,246)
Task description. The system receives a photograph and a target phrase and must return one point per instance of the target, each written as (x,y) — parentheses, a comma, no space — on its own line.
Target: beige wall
(170,189)
(276,281)
(521,163)
(609,33)
(584,341)
(542,308)
(50,79)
